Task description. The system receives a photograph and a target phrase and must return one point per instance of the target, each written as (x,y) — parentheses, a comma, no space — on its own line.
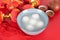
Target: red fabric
(12,32)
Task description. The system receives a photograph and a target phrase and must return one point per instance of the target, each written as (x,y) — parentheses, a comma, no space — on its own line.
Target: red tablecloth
(52,31)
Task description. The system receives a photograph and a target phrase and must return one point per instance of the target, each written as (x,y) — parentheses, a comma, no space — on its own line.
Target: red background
(52,31)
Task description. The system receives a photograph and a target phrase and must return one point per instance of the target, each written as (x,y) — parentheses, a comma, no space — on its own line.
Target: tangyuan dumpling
(30,27)
(35,16)
(25,19)
(32,21)
(40,24)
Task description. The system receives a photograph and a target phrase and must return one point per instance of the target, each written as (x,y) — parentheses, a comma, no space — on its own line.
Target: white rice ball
(40,24)
(30,27)
(35,16)
(25,19)
(32,21)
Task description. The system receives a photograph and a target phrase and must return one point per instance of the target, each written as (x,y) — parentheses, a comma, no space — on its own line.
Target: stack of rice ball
(33,22)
